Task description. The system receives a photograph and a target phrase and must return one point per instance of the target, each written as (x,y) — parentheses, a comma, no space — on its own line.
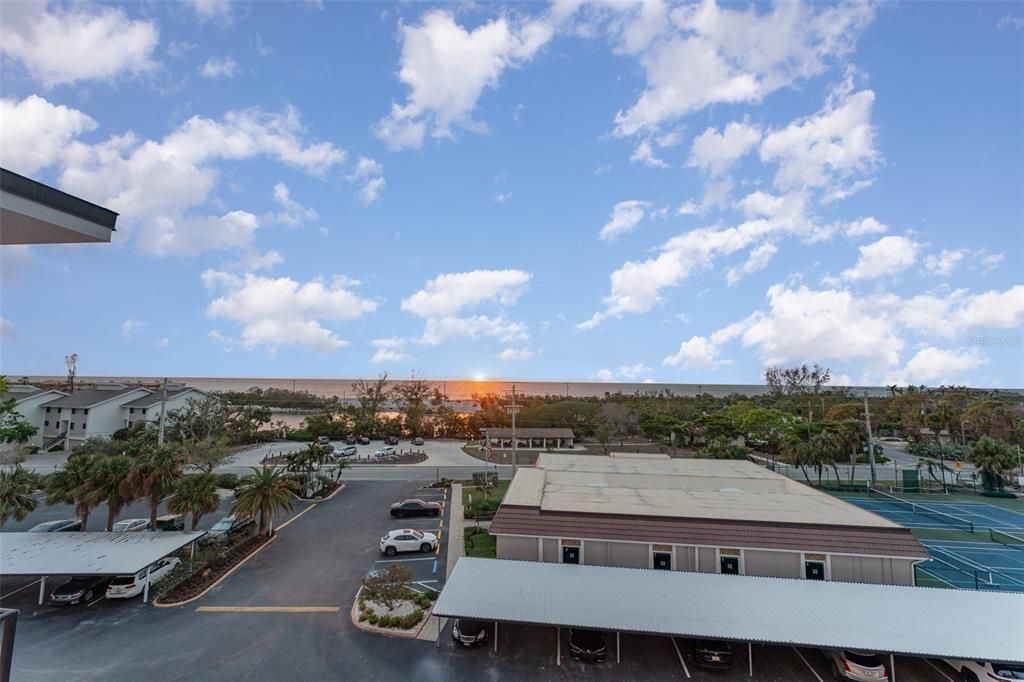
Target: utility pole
(513,409)
(871,441)
(163,410)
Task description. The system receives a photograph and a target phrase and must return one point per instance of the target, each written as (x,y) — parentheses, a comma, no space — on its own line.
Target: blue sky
(667,192)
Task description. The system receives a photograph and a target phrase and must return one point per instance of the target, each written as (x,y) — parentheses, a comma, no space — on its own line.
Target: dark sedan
(711,654)
(587,645)
(415,508)
(81,588)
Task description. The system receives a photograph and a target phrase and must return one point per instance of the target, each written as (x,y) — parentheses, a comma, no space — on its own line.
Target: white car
(407,540)
(863,666)
(130,525)
(345,451)
(982,671)
(128,586)
(389,451)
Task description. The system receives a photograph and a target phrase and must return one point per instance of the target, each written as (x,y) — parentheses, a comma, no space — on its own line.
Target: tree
(155,475)
(195,495)
(16,501)
(70,485)
(797,452)
(991,418)
(107,483)
(245,421)
(413,400)
(823,449)
(198,421)
(207,455)
(371,396)
(388,586)
(13,426)
(614,421)
(993,458)
(264,494)
(796,380)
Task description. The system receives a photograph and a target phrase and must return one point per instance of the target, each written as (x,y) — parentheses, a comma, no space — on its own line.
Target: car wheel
(968,676)
(390,551)
(425,547)
(88,596)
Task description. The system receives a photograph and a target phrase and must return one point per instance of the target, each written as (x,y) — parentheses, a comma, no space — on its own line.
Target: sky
(669,192)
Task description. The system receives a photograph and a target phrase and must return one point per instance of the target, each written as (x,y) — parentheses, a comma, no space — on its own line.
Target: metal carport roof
(86,553)
(918,621)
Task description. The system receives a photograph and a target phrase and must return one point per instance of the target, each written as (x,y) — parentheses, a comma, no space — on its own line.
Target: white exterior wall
(103,419)
(35,415)
(152,414)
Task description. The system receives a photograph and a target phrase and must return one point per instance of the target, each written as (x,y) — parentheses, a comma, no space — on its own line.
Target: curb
(387,632)
(219,580)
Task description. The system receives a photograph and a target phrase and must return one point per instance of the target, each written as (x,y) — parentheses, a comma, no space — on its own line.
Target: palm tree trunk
(154,506)
(111,514)
(804,470)
(195,520)
(85,519)
(853,464)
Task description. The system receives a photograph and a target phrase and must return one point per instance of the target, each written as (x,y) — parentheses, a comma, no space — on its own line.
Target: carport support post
(145,588)
(892,668)
(750,658)
(495,636)
(617,659)
(42,589)
(558,646)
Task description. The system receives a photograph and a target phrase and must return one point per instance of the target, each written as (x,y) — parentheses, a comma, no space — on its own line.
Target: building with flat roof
(527,438)
(709,516)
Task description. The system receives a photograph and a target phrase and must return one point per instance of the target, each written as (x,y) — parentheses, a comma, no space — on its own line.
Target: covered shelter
(86,553)
(34,213)
(528,438)
(892,619)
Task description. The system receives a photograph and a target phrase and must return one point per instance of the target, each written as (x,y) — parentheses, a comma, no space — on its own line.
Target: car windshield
(418,535)
(1010,671)
(123,525)
(123,580)
(866,660)
(471,627)
(223,524)
(588,639)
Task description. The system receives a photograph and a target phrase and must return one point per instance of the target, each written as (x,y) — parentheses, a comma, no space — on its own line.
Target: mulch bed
(202,579)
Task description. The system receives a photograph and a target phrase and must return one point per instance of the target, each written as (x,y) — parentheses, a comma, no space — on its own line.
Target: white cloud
(1010,22)
(367,168)
(644,153)
(389,350)
(439,329)
(163,342)
(447,68)
(35,132)
(888,256)
(7,329)
(864,227)
(605,375)
(514,354)
(702,54)
(294,213)
(758,259)
(61,45)
(936,366)
(945,262)
(280,311)
(370,173)
(502,197)
(180,48)
(191,235)
(371,189)
(625,373)
(989,261)
(826,149)
(219,67)
(625,217)
(212,9)
(696,353)
(715,153)
(129,327)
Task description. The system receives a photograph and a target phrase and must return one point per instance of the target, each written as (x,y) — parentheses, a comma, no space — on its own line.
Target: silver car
(863,666)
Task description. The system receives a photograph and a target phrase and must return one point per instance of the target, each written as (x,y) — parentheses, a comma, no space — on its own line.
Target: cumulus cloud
(944,263)
(515,354)
(864,227)
(129,327)
(370,175)
(212,9)
(624,373)
(888,256)
(294,213)
(35,132)
(715,152)
(389,350)
(67,44)
(644,153)
(625,217)
(702,54)
(274,312)
(933,365)
(447,67)
(219,67)
(757,259)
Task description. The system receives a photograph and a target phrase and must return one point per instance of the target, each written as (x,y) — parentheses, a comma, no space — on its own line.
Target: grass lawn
(480,543)
(494,494)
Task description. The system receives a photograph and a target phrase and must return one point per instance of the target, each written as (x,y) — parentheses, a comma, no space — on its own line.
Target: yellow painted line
(440,524)
(269,609)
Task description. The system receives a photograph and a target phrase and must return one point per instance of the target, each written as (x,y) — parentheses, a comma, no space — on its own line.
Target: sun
(479,376)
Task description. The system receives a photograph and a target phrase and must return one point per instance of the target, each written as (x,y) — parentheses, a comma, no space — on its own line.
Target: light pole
(871,441)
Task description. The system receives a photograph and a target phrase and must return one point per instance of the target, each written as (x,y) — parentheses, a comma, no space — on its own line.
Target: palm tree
(850,435)
(265,494)
(993,459)
(154,475)
(195,495)
(822,449)
(15,495)
(67,485)
(108,483)
(797,452)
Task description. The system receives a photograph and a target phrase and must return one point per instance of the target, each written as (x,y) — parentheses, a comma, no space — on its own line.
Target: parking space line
(398,561)
(97,601)
(938,670)
(24,587)
(268,609)
(680,655)
(809,667)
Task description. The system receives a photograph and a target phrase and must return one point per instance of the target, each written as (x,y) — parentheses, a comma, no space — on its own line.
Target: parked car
(64,525)
(415,507)
(323,440)
(130,525)
(228,527)
(587,645)
(391,440)
(363,440)
(711,654)
(982,671)
(469,632)
(407,540)
(81,588)
(350,440)
(128,586)
(417,441)
(170,522)
(346,451)
(863,666)
(389,451)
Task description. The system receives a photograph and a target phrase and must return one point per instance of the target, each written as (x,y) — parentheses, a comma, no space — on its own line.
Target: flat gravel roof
(87,553)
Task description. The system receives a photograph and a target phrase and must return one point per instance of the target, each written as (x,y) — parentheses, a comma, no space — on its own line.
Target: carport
(916,621)
(84,553)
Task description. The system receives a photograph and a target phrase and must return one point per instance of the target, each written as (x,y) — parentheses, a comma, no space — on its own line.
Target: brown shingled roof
(896,542)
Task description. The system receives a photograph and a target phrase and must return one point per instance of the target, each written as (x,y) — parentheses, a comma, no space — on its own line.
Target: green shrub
(229,481)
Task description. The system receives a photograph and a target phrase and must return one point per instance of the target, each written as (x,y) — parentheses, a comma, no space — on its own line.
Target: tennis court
(975,565)
(941,514)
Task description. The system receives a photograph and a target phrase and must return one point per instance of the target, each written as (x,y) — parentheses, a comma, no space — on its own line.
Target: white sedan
(389,451)
(130,525)
(407,540)
(128,586)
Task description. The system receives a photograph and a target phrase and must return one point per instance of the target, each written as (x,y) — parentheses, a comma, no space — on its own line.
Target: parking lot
(428,569)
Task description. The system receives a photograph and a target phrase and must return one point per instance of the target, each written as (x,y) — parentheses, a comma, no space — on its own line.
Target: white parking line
(96,601)
(25,587)
(680,655)
(938,670)
(398,561)
(809,667)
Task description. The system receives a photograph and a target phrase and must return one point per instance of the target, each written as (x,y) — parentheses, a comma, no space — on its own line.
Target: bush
(228,481)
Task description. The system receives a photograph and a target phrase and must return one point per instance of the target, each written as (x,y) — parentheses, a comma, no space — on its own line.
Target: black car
(170,522)
(62,526)
(415,507)
(469,632)
(711,654)
(391,440)
(81,588)
(350,440)
(587,645)
(363,440)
